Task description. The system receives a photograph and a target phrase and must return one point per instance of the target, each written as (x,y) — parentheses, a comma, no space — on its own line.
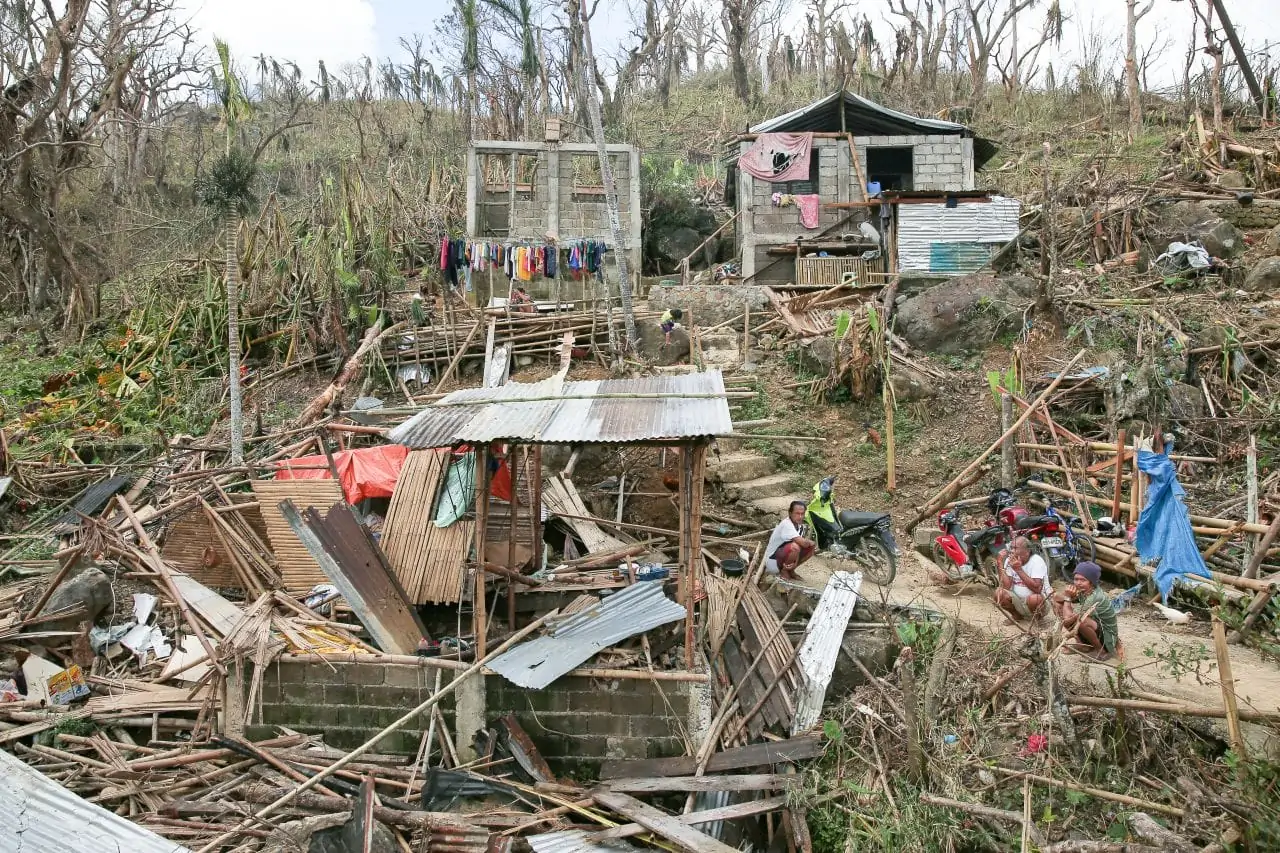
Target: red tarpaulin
(369,472)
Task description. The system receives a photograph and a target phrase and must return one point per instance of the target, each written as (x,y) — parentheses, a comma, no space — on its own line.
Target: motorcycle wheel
(1086,551)
(876,561)
(943,561)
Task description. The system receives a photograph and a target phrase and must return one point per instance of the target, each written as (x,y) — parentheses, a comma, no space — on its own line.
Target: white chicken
(1177,617)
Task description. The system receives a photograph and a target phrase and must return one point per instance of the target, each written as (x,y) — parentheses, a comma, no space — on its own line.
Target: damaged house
(846,186)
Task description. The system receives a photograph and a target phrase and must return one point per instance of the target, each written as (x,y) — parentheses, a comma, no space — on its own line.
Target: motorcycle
(864,537)
(968,555)
(1055,538)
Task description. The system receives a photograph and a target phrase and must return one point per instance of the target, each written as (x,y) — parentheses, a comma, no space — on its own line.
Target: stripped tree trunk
(589,94)
(233,337)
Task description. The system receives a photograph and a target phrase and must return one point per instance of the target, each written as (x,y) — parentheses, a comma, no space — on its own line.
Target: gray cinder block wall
(576,723)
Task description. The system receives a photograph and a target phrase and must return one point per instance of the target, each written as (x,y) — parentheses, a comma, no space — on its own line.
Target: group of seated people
(1083,607)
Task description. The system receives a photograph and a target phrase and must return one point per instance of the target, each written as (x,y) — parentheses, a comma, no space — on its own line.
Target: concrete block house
(865,163)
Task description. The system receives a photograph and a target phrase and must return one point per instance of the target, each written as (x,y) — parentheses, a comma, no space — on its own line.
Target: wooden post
(478,614)
(535,507)
(746,333)
(1228,688)
(1135,485)
(1008,449)
(1251,504)
(1119,475)
(514,512)
(1263,597)
(890,468)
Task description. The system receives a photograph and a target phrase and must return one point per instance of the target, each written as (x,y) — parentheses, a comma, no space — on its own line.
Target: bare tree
(1213,48)
(989,23)
(1132,15)
(700,33)
(927,25)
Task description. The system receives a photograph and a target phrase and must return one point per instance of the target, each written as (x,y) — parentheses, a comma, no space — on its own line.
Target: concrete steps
(732,468)
(775,506)
(774,485)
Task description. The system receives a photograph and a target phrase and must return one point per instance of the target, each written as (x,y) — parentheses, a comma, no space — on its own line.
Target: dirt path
(1146,635)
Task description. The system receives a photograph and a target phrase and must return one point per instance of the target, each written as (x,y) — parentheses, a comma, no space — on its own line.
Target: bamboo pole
(429,702)
(453,365)
(1123,799)
(947,491)
(1172,707)
(1260,600)
(1251,501)
(1228,683)
(1119,475)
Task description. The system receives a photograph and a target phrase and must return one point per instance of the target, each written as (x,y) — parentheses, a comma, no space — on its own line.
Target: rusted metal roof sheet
(611,411)
(954,240)
(821,646)
(573,841)
(41,816)
(638,608)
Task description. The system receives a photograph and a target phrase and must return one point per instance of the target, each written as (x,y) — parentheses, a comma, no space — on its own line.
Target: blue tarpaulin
(1164,528)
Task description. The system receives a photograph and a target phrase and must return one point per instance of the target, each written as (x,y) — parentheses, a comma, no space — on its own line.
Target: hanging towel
(809,208)
(778,157)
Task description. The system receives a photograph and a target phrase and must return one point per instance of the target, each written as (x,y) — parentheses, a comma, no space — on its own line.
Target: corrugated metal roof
(863,117)
(638,608)
(573,841)
(959,230)
(821,646)
(41,816)
(612,411)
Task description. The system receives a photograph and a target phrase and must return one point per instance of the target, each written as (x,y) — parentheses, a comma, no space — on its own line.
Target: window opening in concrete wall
(494,204)
(893,168)
(588,184)
(526,176)
(808,186)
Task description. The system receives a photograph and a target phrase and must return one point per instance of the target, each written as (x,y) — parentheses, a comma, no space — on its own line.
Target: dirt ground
(1143,632)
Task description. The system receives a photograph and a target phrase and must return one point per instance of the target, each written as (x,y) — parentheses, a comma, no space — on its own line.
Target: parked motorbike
(964,555)
(864,537)
(1058,540)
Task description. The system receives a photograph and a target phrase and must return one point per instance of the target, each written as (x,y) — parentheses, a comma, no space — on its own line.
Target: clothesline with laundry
(521,260)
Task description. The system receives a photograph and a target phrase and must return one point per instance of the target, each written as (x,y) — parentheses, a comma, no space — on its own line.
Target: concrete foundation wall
(576,723)
(709,303)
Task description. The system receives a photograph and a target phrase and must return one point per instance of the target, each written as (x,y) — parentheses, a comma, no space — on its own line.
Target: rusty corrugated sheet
(613,411)
(638,608)
(921,227)
(41,816)
(356,565)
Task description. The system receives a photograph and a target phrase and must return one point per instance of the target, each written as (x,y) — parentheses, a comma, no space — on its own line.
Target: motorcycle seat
(1031,521)
(853,518)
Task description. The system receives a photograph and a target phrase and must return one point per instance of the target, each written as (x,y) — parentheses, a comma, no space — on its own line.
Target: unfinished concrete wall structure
(899,152)
(521,191)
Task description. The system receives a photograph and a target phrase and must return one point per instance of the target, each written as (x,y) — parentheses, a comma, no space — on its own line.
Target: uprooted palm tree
(228,191)
(520,14)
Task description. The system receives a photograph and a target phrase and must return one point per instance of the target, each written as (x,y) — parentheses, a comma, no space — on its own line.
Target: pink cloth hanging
(809,209)
(778,157)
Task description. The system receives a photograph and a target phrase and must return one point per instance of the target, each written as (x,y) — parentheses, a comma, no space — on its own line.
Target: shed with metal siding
(940,239)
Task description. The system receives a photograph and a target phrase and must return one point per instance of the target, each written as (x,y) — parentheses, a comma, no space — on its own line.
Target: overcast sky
(341,31)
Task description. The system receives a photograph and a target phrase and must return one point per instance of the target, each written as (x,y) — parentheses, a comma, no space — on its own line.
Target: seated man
(788,547)
(522,301)
(1085,608)
(1024,582)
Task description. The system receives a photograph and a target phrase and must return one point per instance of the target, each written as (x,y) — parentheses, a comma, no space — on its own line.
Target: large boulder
(654,348)
(90,588)
(1264,277)
(1192,221)
(1233,179)
(966,314)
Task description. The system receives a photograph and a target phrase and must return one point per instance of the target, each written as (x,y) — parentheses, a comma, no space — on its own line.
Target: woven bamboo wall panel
(188,537)
(428,560)
(298,569)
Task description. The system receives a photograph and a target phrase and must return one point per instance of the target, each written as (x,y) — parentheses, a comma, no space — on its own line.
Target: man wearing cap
(1024,583)
(1087,609)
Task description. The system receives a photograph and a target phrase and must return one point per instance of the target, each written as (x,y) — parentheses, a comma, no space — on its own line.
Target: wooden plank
(561,498)
(352,562)
(737,758)
(661,823)
(776,710)
(220,615)
(750,686)
(685,784)
(733,812)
